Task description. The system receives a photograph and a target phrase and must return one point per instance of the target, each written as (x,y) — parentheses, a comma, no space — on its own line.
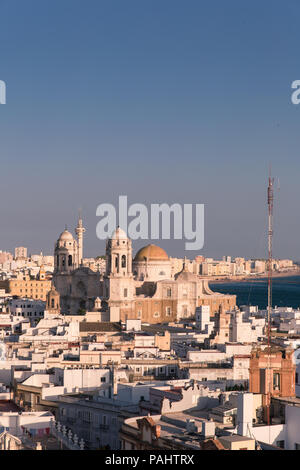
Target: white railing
(66,437)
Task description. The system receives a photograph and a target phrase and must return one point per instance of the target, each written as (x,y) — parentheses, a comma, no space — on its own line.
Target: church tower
(118,280)
(65,253)
(42,273)
(53,302)
(119,255)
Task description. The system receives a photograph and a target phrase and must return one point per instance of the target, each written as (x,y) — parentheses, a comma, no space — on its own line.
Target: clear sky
(162,101)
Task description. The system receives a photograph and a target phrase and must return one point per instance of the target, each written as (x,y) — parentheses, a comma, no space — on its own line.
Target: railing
(66,437)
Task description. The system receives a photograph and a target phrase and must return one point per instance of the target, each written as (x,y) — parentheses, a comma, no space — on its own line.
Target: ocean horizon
(285,291)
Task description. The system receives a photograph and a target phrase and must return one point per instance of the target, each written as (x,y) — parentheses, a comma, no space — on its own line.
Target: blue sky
(163,101)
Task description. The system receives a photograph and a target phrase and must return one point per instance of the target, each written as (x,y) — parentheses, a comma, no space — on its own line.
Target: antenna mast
(270,272)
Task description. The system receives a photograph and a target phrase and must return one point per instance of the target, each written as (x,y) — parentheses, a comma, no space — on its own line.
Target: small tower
(272,373)
(42,273)
(79,232)
(53,301)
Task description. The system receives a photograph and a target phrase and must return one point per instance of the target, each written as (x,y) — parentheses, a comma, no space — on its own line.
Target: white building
(27,308)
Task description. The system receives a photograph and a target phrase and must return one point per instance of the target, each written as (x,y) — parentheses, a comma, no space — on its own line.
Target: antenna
(270,273)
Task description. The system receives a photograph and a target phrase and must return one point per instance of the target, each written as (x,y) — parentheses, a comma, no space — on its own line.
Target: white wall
(292,419)
(205,356)
(269,434)
(133,393)
(85,378)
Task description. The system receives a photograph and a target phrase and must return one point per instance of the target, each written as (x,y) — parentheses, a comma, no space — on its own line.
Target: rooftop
(8,405)
(98,326)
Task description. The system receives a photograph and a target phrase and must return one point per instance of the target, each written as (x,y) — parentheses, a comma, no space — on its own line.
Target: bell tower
(119,255)
(118,280)
(65,253)
(53,301)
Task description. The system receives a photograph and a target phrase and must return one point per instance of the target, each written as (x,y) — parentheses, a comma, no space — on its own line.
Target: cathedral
(142,287)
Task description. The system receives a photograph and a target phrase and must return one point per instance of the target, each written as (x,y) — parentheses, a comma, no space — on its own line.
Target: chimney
(208,429)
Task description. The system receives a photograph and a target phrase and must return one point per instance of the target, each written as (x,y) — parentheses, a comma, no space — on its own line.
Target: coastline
(258,277)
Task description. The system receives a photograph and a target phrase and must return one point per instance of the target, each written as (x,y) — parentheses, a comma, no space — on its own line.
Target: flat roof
(235,438)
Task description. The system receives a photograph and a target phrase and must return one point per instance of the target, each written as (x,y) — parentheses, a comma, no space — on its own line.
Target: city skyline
(149,228)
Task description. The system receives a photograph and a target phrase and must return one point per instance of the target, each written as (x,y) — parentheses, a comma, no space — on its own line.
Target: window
(123,261)
(276,381)
(169,292)
(280,444)
(103,379)
(125,292)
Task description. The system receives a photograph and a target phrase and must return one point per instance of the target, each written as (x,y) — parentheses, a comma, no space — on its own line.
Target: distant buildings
(20,252)
(27,288)
(228,267)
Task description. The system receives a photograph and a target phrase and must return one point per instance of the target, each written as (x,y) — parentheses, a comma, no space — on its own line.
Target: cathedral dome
(119,234)
(151,253)
(66,236)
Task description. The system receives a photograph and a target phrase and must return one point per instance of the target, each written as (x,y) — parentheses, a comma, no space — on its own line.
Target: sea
(285,291)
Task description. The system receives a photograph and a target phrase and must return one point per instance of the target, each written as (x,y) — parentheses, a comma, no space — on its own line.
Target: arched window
(70,260)
(52,303)
(123,261)
(63,261)
(117,261)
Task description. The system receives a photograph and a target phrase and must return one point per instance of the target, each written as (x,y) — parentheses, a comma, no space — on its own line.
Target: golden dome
(151,253)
